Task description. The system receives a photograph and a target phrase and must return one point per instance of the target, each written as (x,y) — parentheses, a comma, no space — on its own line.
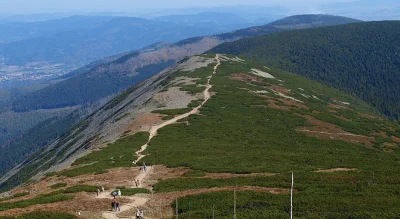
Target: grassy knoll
(119,154)
(237,133)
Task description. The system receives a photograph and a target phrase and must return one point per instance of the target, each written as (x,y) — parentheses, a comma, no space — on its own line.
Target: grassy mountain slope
(259,125)
(360,58)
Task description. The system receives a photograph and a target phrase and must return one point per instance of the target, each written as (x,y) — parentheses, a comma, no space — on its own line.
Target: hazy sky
(39,6)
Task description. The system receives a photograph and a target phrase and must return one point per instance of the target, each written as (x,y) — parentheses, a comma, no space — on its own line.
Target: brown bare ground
(336,170)
(396,139)
(390,145)
(113,178)
(244,77)
(278,88)
(367,116)
(332,111)
(336,106)
(326,130)
(82,202)
(381,133)
(343,118)
(144,122)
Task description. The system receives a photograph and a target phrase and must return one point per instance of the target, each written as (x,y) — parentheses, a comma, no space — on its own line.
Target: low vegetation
(58,185)
(43,199)
(132,191)
(240,131)
(43,215)
(119,154)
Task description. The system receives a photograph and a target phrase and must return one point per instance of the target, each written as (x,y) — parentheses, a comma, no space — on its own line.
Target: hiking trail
(141,199)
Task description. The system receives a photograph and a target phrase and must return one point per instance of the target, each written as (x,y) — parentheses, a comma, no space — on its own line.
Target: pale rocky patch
(262,73)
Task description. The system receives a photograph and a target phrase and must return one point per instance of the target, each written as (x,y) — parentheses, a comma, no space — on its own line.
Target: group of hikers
(98,191)
(143,168)
(115,206)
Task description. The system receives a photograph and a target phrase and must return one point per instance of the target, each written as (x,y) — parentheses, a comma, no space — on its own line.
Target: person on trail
(117,206)
(136,183)
(113,205)
(102,189)
(141,214)
(138,214)
(98,192)
(119,192)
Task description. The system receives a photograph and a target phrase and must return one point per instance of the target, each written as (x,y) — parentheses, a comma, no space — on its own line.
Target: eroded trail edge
(207,96)
(140,199)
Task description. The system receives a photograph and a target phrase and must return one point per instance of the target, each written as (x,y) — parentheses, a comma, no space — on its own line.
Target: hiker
(138,214)
(117,206)
(113,205)
(98,192)
(102,189)
(119,192)
(136,183)
(141,214)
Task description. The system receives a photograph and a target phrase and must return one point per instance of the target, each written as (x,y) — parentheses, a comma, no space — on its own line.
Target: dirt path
(207,96)
(140,199)
(135,201)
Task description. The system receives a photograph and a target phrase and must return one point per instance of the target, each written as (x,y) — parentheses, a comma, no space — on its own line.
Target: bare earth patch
(279,89)
(81,202)
(336,170)
(244,77)
(261,73)
(326,130)
(144,122)
(396,139)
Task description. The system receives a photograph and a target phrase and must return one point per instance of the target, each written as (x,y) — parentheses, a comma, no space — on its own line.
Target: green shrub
(58,185)
(44,199)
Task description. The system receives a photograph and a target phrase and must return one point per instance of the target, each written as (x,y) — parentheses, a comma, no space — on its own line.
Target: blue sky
(39,6)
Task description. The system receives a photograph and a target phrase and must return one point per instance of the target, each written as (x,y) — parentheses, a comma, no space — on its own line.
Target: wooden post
(291,199)
(160,209)
(213,212)
(177,212)
(234,206)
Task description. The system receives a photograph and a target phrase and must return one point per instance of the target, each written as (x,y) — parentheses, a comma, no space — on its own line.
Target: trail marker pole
(291,199)
(177,215)
(234,206)
(213,213)
(160,209)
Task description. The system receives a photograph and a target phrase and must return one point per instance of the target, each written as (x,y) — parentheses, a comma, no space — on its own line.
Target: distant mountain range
(122,71)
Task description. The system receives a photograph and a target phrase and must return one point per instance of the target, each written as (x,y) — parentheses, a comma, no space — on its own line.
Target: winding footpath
(141,199)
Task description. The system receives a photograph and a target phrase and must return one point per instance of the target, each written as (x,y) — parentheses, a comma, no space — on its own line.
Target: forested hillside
(361,59)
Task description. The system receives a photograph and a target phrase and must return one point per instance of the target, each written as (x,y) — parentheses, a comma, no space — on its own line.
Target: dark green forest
(361,59)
